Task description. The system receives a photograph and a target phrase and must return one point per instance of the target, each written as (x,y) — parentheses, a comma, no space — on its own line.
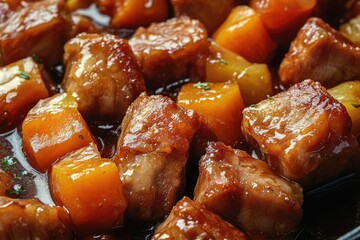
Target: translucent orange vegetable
(89,187)
(53,128)
(21,86)
(283,18)
(220,103)
(244,33)
(254,80)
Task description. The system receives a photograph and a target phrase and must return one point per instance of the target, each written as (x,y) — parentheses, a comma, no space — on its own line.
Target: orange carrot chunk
(21,87)
(283,18)
(244,33)
(89,187)
(53,128)
(220,103)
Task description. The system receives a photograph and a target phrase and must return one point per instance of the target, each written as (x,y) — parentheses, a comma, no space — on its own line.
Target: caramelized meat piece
(30,219)
(102,74)
(21,87)
(152,153)
(191,220)
(246,191)
(134,13)
(172,50)
(322,54)
(80,23)
(211,13)
(304,133)
(34,28)
(5,182)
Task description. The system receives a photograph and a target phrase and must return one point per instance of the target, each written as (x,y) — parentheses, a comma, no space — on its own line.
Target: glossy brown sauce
(330,210)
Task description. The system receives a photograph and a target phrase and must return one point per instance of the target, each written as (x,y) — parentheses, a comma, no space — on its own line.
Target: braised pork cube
(102,74)
(304,133)
(152,153)
(30,219)
(21,87)
(134,13)
(53,128)
(89,187)
(247,192)
(320,53)
(36,27)
(171,51)
(211,13)
(190,220)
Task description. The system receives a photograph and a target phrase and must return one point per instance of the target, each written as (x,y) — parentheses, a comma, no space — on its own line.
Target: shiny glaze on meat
(247,192)
(320,53)
(304,133)
(152,153)
(191,220)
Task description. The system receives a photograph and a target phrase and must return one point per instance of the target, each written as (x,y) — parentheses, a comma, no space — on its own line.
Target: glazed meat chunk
(191,220)
(304,133)
(36,27)
(102,74)
(5,182)
(171,50)
(152,153)
(322,54)
(211,13)
(246,191)
(30,219)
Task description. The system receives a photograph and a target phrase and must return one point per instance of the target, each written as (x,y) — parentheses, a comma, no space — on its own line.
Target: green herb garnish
(24,75)
(20,176)
(355,105)
(223,61)
(7,162)
(203,85)
(16,190)
(269,97)
(253,105)
(36,58)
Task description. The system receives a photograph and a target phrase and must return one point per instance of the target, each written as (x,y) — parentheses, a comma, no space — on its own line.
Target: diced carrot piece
(89,187)
(348,94)
(21,87)
(254,80)
(53,128)
(220,103)
(135,13)
(283,18)
(244,33)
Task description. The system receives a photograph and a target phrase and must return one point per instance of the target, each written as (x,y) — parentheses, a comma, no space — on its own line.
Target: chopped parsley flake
(269,97)
(20,176)
(203,85)
(24,75)
(7,162)
(355,105)
(16,190)
(223,61)
(36,58)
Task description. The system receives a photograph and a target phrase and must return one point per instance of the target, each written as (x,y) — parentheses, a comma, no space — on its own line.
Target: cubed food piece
(283,18)
(320,53)
(191,220)
(5,181)
(30,219)
(254,80)
(79,24)
(53,128)
(89,187)
(37,27)
(21,87)
(351,29)
(152,153)
(211,13)
(244,33)
(171,51)
(134,13)
(247,192)
(304,133)
(348,94)
(102,74)
(220,103)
